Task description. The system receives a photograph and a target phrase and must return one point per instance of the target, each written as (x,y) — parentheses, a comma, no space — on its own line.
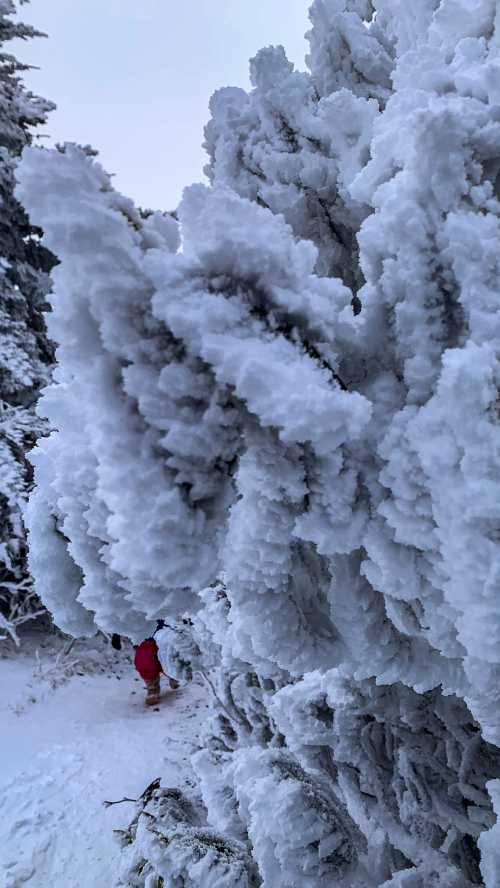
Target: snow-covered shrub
(86,657)
(303,402)
(414,765)
(169,845)
(25,352)
(300,832)
(19,604)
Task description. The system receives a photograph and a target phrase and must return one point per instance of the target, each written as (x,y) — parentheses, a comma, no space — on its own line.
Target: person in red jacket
(149,667)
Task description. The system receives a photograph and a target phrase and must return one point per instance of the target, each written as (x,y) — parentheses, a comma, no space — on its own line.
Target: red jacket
(146,660)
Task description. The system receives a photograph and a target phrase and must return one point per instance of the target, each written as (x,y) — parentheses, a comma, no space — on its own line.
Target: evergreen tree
(26,354)
(308,491)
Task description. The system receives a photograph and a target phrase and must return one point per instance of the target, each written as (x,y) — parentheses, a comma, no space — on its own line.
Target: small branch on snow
(119,802)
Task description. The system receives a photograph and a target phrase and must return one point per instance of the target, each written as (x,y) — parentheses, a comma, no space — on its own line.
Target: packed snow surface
(69,748)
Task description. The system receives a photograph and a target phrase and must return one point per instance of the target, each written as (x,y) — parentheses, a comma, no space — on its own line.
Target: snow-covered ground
(68,745)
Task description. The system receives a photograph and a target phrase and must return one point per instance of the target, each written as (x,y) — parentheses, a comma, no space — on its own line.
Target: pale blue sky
(133,77)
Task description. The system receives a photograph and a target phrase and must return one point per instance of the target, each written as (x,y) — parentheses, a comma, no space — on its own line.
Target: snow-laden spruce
(296,413)
(26,354)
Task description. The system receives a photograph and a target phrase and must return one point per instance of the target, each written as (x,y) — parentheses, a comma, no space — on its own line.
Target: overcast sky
(134,77)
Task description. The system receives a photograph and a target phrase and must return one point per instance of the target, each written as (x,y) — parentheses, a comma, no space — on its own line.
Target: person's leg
(153,692)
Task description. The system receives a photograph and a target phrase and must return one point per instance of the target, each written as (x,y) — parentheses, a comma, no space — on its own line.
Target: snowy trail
(85,742)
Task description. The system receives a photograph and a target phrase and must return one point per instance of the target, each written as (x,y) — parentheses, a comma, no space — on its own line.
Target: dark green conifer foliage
(26,354)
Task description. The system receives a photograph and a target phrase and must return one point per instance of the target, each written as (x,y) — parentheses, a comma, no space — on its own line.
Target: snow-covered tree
(169,843)
(26,354)
(297,414)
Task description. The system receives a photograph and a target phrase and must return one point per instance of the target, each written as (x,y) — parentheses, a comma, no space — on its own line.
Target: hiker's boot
(153,692)
(174,684)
